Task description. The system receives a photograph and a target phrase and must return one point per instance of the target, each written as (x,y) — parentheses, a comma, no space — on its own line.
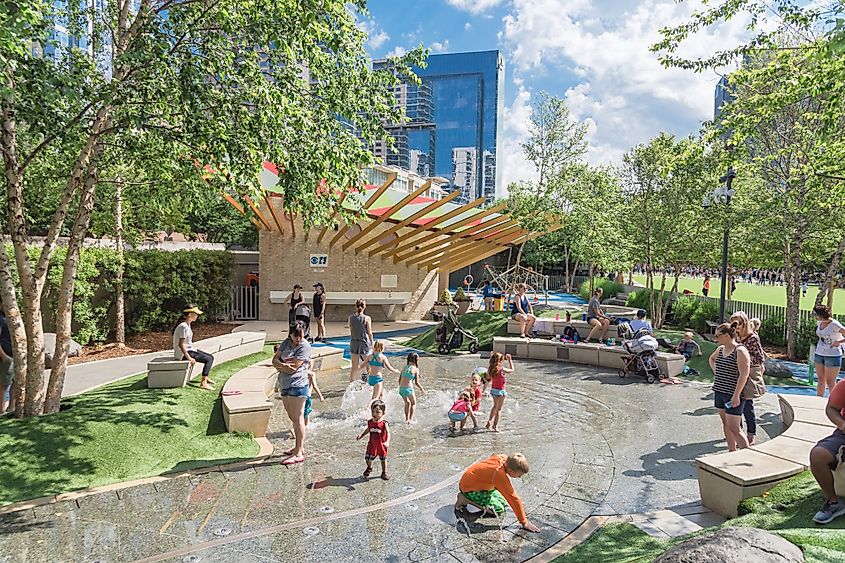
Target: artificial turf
(482,324)
(787,510)
(119,432)
(753,293)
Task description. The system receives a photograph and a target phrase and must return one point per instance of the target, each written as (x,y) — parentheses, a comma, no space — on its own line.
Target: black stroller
(302,313)
(641,359)
(450,334)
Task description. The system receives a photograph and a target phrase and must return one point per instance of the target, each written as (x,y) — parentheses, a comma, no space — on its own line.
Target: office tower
(453,122)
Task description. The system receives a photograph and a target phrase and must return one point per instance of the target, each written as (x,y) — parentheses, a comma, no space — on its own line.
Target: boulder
(50,346)
(779,368)
(734,545)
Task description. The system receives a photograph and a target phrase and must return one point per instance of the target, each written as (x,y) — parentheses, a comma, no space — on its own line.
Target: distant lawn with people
(765,294)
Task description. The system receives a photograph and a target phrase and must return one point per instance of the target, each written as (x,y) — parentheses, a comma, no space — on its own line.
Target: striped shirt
(727,372)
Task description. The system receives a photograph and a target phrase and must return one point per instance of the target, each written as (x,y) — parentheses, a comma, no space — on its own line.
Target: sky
(593,53)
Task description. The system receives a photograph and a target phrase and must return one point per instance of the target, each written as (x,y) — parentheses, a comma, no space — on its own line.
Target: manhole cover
(326,509)
(190,559)
(408,489)
(412,506)
(222,532)
(311,531)
(455,467)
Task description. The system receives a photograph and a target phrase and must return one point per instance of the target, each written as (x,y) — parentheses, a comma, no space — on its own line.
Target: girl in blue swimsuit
(409,377)
(377,363)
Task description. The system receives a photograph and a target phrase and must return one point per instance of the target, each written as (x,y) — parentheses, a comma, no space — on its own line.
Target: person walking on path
(361,342)
(487,486)
(320,311)
(292,359)
(828,455)
(294,299)
(755,387)
(705,289)
(596,317)
(730,364)
(828,358)
(183,345)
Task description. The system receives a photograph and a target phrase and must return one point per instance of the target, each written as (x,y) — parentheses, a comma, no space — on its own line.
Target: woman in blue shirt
(522,311)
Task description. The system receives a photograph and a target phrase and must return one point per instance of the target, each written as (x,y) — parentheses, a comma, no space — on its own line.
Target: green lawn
(786,510)
(120,432)
(766,294)
(482,324)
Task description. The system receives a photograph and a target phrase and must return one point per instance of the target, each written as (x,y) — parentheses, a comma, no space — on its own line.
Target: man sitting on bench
(829,455)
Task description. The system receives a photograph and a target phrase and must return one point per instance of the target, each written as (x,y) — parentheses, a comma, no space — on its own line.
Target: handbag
(755,387)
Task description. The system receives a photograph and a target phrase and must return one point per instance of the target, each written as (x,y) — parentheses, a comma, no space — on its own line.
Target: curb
(578,536)
(265,452)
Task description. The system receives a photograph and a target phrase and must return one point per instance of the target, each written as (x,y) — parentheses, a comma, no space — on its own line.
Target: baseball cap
(320,285)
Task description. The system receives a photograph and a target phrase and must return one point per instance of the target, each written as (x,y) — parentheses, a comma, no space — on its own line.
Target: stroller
(641,359)
(450,334)
(302,313)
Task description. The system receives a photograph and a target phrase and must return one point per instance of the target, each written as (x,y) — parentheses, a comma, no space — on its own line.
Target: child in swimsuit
(409,377)
(312,382)
(460,410)
(379,433)
(475,391)
(496,371)
(377,363)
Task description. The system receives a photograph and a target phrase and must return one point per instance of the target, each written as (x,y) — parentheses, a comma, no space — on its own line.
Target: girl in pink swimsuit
(497,371)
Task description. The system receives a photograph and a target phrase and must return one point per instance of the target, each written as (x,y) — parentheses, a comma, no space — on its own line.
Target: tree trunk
(120,315)
(592,279)
(828,284)
(792,277)
(16,331)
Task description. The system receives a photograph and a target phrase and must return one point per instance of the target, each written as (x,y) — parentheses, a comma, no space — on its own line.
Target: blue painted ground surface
(343,342)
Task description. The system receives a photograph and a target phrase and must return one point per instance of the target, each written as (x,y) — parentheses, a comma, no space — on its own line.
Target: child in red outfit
(475,390)
(461,409)
(379,433)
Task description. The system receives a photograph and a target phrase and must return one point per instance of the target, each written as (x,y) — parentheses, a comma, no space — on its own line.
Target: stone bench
(246,405)
(725,479)
(165,372)
(387,299)
(583,328)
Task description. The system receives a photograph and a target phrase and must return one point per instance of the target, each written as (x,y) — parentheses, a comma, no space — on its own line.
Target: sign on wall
(319,261)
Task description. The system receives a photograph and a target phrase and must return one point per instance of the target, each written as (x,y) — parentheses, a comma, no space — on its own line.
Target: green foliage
(705,311)
(804,337)
(773,331)
(610,289)
(683,309)
(484,325)
(445,298)
(460,295)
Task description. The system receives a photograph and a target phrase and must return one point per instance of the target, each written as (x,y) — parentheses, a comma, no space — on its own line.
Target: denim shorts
(835,444)
(722,400)
(295,392)
(828,361)
(498,392)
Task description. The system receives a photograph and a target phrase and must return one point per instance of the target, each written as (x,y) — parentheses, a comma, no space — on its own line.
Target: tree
(217,85)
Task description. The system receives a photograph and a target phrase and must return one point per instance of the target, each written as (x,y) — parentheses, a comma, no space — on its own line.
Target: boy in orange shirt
(487,485)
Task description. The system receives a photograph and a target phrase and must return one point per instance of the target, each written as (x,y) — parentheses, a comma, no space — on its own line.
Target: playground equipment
(505,279)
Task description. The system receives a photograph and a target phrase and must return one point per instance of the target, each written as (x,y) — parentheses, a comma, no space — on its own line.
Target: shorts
(360,348)
(828,361)
(308,410)
(457,416)
(590,317)
(835,444)
(721,400)
(375,450)
(488,499)
(296,392)
(498,392)
(374,380)
(406,392)
(686,355)
(7,373)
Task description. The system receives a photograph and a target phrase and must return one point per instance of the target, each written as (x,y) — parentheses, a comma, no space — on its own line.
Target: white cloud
(397,51)
(514,131)
(467,26)
(438,47)
(474,6)
(378,39)
(603,45)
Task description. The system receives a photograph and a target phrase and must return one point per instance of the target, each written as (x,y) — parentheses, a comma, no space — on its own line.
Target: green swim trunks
(7,373)
(491,499)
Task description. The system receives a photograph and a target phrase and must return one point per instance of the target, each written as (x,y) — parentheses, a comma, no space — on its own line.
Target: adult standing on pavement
(755,387)
(293,359)
(361,342)
(7,369)
(320,311)
(183,345)
(730,364)
(828,358)
(294,299)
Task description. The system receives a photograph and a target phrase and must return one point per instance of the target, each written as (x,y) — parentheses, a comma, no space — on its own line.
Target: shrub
(460,295)
(683,310)
(773,331)
(610,288)
(445,298)
(806,336)
(705,311)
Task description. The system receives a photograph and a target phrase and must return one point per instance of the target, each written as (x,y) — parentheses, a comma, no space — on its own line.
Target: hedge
(157,284)
(610,288)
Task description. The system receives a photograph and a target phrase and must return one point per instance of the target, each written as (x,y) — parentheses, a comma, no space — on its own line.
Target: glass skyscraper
(454,124)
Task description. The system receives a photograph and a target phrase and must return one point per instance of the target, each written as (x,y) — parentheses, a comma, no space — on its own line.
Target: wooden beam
(405,222)
(431,224)
(427,252)
(257,213)
(234,203)
(387,214)
(500,240)
(371,200)
(453,265)
(334,216)
(273,213)
(447,230)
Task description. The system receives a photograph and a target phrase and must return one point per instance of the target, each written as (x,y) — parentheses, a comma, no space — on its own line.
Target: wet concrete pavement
(596,445)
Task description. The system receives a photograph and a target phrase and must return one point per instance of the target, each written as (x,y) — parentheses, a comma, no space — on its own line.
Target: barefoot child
(312,381)
(487,485)
(475,391)
(460,410)
(409,377)
(496,371)
(379,433)
(377,363)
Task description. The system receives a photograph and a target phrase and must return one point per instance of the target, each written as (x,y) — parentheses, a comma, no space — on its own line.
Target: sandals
(385,476)
(368,471)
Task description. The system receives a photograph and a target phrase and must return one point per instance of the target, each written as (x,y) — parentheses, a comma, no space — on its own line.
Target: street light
(722,195)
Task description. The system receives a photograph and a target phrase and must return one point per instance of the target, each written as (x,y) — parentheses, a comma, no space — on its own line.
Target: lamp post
(722,195)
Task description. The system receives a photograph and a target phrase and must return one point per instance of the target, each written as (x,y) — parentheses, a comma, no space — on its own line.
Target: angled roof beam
(371,200)
(336,213)
(387,214)
(500,239)
(464,238)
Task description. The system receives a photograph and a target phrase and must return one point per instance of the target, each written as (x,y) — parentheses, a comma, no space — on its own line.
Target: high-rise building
(453,122)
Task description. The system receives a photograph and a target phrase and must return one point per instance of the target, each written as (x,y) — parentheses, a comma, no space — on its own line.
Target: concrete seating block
(247,412)
(166,373)
(839,480)
(726,479)
(513,326)
(812,416)
(587,354)
(326,358)
(807,432)
(539,349)
(804,401)
(670,364)
(790,449)
(516,347)
(611,357)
